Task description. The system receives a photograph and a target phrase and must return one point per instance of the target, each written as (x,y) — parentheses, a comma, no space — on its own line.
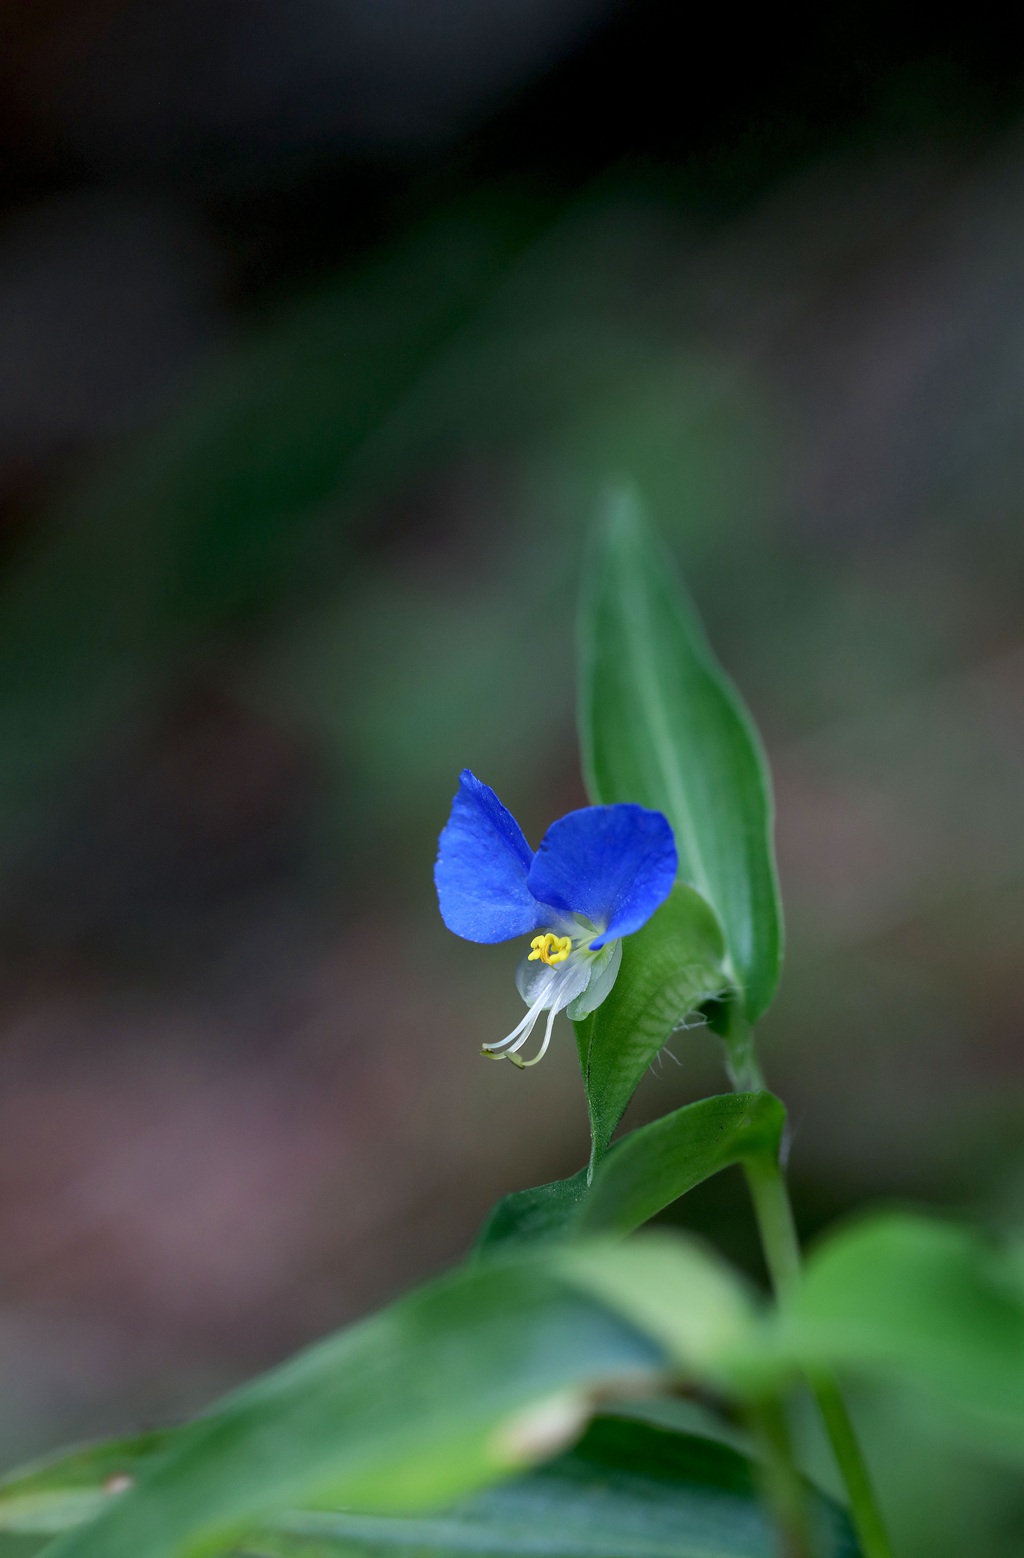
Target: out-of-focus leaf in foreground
(916,1301)
(661,724)
(637,1489)
(668,969)
(675,1290)
(71,1487)
(628,1489)
(454,1387)
(16,1544)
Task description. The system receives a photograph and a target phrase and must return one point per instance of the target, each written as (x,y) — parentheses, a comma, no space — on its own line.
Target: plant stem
(781,1485)
(741,1062)
(864,1510)
(774,1214)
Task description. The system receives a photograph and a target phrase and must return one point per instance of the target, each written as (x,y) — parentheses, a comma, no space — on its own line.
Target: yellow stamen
(550,948)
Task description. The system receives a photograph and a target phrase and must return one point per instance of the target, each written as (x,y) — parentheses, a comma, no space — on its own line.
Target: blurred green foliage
(506,336)
(365,518)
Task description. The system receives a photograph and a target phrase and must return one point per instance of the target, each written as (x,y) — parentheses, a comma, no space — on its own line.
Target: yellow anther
(550,948)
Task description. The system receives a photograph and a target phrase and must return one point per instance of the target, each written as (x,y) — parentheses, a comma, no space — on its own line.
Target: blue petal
(482,865)
(612,864)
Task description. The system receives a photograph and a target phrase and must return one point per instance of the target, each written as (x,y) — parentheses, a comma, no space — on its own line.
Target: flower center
(550,948)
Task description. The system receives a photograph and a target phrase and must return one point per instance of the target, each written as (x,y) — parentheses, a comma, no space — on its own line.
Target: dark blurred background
(321,324)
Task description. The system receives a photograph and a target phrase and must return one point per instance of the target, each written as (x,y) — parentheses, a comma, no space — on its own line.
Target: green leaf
(653,1166)
(643,1173)
(533,1216)
(914,1300)
(640,1489)
(627,1489)
(455,1386)
(676,1290)
(662,725)
(67,1489)
(15,1544)
(668,968)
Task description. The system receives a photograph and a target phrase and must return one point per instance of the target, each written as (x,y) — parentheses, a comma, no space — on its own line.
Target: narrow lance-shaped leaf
(668,969)
(661,724)
(653,1166)
(644,1172)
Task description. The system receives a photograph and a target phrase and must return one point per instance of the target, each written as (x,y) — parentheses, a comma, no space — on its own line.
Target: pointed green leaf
(530,1216)
(643,1173)
(661,724)
(668,968)
(653,1166)
(453,1387)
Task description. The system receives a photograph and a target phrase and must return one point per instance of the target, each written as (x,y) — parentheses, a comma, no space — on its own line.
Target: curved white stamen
(555,1009)
(531,1018)
(527,1022)
(547,1040)
(520,1042)
(524,1029)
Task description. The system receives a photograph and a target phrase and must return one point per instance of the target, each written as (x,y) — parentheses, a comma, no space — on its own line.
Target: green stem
(741,1060)
(866,1515)
(781,1484)
(774,1214)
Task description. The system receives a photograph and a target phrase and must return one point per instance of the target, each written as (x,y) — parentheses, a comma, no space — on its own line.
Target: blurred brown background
(321,323)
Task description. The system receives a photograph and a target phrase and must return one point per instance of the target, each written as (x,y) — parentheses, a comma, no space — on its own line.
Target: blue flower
(598,875)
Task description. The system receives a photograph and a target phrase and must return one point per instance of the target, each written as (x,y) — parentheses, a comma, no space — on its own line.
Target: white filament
(526,1026)
(547,1040)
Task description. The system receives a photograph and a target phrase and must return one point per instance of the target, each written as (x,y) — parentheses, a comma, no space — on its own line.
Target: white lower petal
(603,974)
